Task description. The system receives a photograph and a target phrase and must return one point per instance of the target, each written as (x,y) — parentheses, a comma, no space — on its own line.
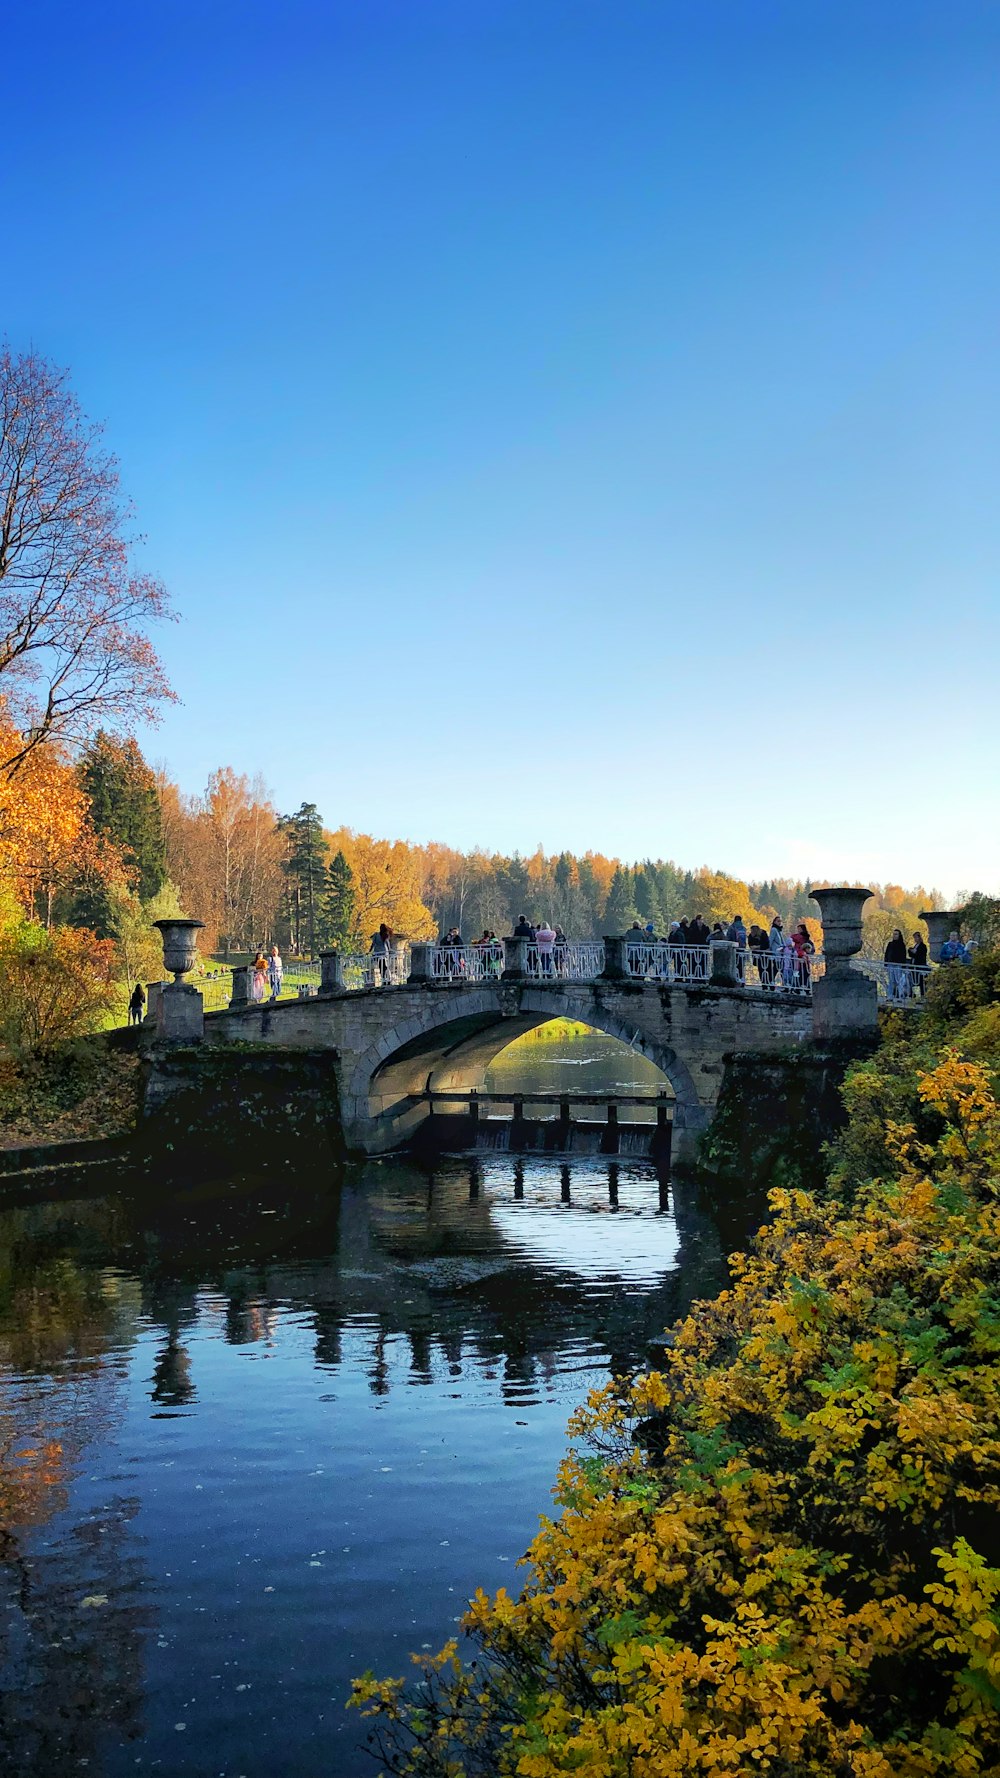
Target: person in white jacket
(545,939)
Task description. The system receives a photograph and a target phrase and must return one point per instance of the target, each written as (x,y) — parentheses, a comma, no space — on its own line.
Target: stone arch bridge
(392,1046)
(389,1046)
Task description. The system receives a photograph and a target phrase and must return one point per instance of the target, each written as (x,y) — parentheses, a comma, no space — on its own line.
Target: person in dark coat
(917,959)
(895,959)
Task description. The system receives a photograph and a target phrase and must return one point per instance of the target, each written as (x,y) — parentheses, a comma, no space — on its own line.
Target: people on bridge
(953,950)
(258,978)
(803,947)
(759,945)
(275,972)
(776,947)
(379,949)
(524,928)
(560,950)
(895,958)
(917,958)
(545,939)
(137,1004)
(736,932)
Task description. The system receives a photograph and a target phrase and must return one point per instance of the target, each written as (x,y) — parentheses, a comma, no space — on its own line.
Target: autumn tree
(75,655)
(386,885)
(224,852)
(48,846)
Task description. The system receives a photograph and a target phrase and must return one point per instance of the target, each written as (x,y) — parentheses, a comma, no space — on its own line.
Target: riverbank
(89,1090)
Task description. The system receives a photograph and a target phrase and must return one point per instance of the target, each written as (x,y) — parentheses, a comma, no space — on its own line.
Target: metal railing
(784,970)
(896,983)
(470,963)
(385,969)
(564,962)
(647,959)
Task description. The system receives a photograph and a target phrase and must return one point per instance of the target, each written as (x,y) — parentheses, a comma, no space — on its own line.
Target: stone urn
(840,911)
(940,924)
(179,945)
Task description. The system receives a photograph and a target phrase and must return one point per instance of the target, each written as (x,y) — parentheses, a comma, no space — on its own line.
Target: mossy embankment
(86,1090)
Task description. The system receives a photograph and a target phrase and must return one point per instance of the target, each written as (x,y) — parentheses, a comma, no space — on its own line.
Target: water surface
(299,1422)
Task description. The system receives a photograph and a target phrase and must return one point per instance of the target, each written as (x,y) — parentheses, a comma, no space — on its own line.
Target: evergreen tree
(125,809)
(305,871)
(124,812)
(620,910)
(337,911)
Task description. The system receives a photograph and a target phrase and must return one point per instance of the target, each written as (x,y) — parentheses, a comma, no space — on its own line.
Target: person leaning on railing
(917,959)
(895,957)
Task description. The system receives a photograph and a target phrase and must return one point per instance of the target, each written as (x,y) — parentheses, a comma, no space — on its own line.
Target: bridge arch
(387,1086)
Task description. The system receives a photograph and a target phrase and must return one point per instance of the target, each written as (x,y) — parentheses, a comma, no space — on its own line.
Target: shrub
(776,1554)
(56,985)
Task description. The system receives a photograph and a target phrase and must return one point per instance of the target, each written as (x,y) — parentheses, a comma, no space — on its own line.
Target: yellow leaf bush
(775,1554)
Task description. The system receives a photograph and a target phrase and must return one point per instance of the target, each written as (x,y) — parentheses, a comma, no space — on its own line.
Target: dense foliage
(779,1552)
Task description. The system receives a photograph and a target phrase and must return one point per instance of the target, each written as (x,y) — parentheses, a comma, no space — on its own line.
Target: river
(280,1429)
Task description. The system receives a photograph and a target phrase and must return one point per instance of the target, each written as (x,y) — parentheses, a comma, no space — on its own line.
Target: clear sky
(570,421)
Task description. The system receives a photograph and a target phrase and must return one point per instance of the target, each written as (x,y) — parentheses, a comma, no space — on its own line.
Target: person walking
(137,1004)
(896,959)
(258,978)
(379,951)
(916,957)
(275,972)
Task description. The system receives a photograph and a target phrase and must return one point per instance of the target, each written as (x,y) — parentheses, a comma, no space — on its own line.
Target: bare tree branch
(74,651)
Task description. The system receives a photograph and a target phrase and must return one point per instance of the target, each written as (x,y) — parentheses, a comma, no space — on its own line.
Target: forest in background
(95,846)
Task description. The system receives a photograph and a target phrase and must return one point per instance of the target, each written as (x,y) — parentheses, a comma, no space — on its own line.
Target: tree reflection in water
(71,1616)
(489,1275)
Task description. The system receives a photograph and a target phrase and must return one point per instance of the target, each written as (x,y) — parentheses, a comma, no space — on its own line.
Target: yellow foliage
(767,1554)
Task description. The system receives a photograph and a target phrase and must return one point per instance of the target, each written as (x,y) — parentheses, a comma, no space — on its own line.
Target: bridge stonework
(392,1045)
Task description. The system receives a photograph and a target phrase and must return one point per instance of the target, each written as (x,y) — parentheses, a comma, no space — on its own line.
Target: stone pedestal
(421,962)
(515,959)
(844,1005)
(722,953)
(614,959)
(940,926)
(240,995)
(180,1014)
(844,1001)
(331,972)
(153,992)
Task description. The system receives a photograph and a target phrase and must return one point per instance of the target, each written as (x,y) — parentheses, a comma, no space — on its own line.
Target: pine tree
(337,910)
(124,807)
(620,911)
(305,870)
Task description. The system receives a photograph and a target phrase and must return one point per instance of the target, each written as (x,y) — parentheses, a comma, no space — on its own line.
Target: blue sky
(571,422)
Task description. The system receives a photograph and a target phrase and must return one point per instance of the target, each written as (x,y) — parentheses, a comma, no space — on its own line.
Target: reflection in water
(282,1433)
